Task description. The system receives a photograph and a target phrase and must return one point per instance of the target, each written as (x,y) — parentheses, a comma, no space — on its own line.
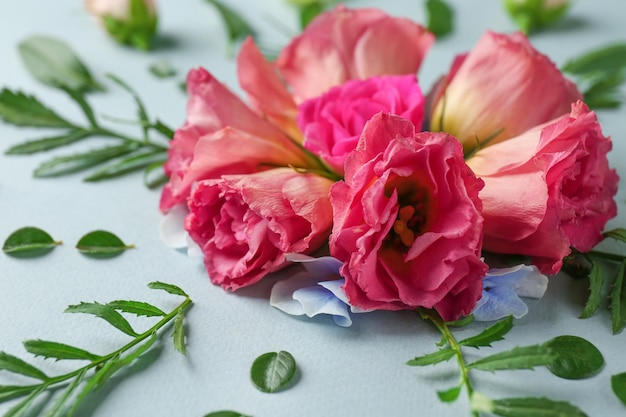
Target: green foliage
(226,413)
(618,385)
(273,371)
(29,242)
(236,26)
(70,390)
(162,69)
(440,17)
(19,109)
(532,15)
(101,244)
(596,281)
(491,334)
(576,358)
(434,358)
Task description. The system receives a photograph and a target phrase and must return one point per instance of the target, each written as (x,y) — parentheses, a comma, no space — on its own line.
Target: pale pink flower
(502,88)
(548,189)
(407,221)
(245,224)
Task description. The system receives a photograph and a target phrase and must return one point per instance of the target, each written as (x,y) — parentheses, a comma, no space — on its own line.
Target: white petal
(171,227)
(533,285)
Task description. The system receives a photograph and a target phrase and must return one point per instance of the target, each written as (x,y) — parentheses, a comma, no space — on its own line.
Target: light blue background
(358,371)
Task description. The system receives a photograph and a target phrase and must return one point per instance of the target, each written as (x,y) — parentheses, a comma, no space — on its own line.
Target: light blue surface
(356,371)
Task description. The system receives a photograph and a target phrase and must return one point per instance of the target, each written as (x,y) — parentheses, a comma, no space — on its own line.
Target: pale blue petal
(322,267)
(497,303)
(281,296)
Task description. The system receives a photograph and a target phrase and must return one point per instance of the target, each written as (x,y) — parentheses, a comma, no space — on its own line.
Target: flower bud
(534,14)
(129,22)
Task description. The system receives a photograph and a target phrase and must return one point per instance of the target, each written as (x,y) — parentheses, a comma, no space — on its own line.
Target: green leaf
(57,350)
(79,98)
(130,163)
(432,358)
(605,60)
(91,384)
(141,109)
(491,334)
(535,407)
(68,164)
(29,242)
(462,322)
(272,371)
(576,358)
(49,143)
(54,64)
(16,365)
(8,392)
(179,333)
(152,180)
(526,357)
(440,17)
(162,69)
(309,11)
(604,92)
(101,244)
(596,281)
(163,129)
(119,363)
(106,313)
(450,395)
(18,109)
(170,288)
(138,30)
(530,15)
(618,384)
(618,234)
(236,26)
(57,410)
(226,413)
(618,300)
(22,407)
(138,308)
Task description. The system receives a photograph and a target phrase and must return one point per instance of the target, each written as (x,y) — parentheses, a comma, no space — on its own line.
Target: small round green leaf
(226,413)
(272,371)
(618,384)
(29,242)
(577,358)
(101,244)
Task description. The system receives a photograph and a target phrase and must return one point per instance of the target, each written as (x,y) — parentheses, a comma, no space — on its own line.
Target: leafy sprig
(71,76)
(69,390)
(568,357)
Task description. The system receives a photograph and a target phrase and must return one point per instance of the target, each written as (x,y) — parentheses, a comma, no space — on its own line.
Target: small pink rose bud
(129,22)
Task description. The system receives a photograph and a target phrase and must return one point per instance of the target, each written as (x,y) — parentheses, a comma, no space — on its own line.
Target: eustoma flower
(245,224)
(548,189)
(407,221)
(332,123)
(502,88)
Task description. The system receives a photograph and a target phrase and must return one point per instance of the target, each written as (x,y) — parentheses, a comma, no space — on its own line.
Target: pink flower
(407,221)
(548,189)
(344,44)
(332,123)
(245,224)
(503,88)
(222,135)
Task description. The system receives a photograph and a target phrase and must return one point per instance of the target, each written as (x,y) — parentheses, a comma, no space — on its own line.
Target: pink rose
(332,123)
(344,44)
(245,224)
(407,221)
(548,189)
(222,135)
(503,87)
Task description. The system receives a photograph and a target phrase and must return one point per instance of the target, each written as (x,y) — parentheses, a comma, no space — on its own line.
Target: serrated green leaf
(162,69)
(106,313)
(450,395)
(618,385)
(273,371)
(8,392)
(526,357)
(236,26)
(491,334)
(69,164)
(19,109)
(23,406)
(440,17)
(576,358)
(138,308)
(46,144)
(29,242)
(617,234)
(441,355)
(618,300)
(604,60)
(101,244)
(16,365)
(53,63)
(170,288)
(178,335)
(596,281)
(226,413)
(133,162)
(57,350)
(462,322)
(58,408)
(535,407)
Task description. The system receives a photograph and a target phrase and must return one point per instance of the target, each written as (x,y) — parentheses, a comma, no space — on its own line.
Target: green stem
(445,331)
(605,255)
(109,133)
(140,338)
